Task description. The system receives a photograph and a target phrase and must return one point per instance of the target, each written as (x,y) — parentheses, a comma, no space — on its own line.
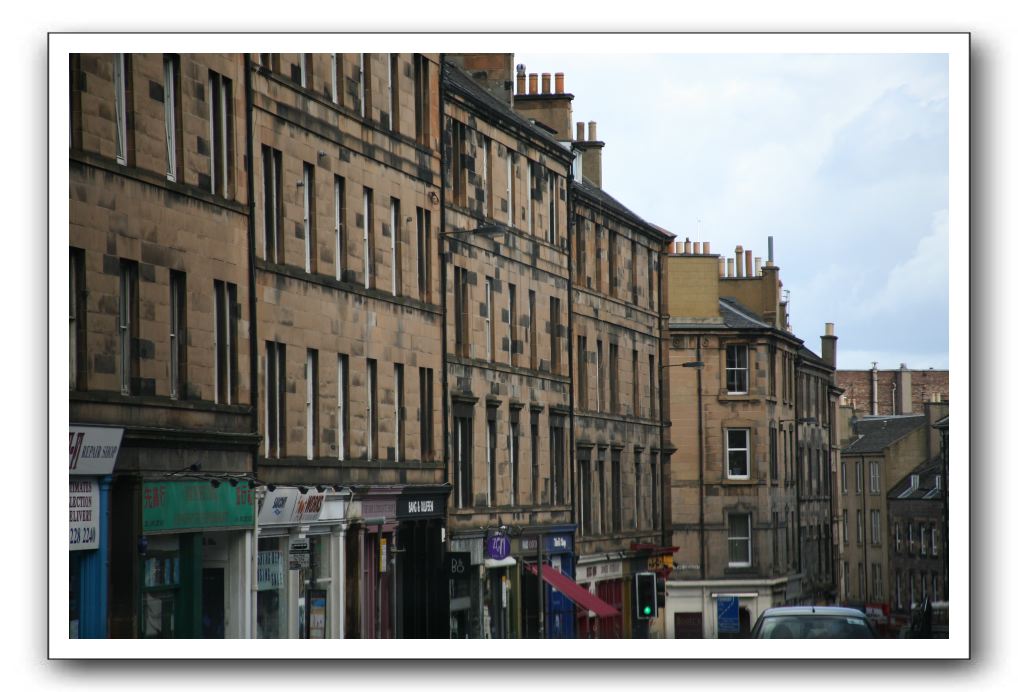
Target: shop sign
(496,546)
(553,543)
(605,570)
(414,506)
(84,514)
(458,563)
(270,570)
(289,506)
(300,553)
(94,450)
(186,505)
(728,614)
(659,562)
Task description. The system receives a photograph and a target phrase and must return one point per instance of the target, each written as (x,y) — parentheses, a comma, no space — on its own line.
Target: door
(213,603)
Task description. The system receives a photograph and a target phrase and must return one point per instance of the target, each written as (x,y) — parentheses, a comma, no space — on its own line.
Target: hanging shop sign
(496,546)
(94,450)
(191,505)
(84,514)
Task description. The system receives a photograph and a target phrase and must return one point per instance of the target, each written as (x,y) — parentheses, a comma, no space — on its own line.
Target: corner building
(346,181)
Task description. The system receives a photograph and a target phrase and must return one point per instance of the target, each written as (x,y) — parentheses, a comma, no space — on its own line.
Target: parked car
(812,622)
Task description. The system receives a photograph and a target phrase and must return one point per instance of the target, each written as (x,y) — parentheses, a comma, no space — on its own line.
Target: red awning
(573,591)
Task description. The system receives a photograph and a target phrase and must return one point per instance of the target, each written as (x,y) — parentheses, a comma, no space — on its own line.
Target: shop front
(422,606)
(93,455)
(554,548)
(301,585)
(484,585)
(371,577)
(195,555)
(606,577)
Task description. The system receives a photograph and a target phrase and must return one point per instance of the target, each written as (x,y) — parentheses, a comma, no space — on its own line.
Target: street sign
(728,614)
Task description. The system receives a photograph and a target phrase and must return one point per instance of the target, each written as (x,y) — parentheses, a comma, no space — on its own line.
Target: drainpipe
(666,539)
(444,282)
(798,474)
(699,440)
(569,335)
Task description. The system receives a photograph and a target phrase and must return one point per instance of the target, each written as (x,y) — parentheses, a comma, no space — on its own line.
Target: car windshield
(815,627)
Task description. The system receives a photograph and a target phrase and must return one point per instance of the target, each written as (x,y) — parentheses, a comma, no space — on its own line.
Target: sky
(843,159)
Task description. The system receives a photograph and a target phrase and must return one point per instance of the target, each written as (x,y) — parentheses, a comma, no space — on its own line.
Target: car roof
(812,610)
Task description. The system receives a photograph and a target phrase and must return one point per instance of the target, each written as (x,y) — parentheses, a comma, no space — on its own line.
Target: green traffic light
(646,610)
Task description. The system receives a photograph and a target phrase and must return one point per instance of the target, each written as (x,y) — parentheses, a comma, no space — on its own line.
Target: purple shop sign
(496,546)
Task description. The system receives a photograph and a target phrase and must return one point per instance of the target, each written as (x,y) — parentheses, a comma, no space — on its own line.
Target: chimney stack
(829,346)
(904,390)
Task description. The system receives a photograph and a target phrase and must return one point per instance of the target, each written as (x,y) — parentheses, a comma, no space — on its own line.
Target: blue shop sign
(553,543)
(728,614)
(496,546)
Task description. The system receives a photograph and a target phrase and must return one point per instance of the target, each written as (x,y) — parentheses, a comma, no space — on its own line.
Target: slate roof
(603,198)
(876,433)
(737,316)
(461,82)
(927,490)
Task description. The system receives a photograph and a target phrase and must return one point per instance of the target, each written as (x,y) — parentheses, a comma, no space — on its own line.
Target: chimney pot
(580,136)
(688,247)
(592,127)
(756,267)
(706,247)
(829,329)
(521,79)
(721,267)
(696,247)
(532,87)
(546,82)
(749,263)
(731,267)
(738,262)
(560,82)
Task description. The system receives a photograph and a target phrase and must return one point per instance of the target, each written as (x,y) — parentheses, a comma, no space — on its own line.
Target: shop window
(271,600)
(161,580)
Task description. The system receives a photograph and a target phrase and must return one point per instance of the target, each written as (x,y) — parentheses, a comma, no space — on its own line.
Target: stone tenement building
(752,410)
(161,351)
(893,392)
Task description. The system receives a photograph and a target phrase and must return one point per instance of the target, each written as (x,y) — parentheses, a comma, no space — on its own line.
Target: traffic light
(646,595)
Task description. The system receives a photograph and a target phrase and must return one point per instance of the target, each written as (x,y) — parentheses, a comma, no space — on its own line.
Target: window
(492,463)
(844,479)
(897,589)
(897,537)
(310,244)
(862,581)
(585,492)
(462,455)
(489,335)
(858,477)
(487,166)
(558,458)
(635,370)
(424,254)
(396,255)
(364,85)
(933,540)
(634,284)
(858,526)
(172,116)
(934,587)
(844,526)
(602,485)
(120,105)
(275,399)
(272,177)
(459,145)
(581,371)
(339,208)
(225,341)
(534,362)
(616,490)
(531,192)
(461,315)
(773,450)
(878,580)
(911,539)
(613,377)
(874,478)
(737,452)
(655,499)
(772,372)
(221,133)
(343,407)
(922,540)
(875,526)
(552,208)
(512,325)
(337,78)
(737,368)
(580,260)
(305,66)
(371,414)
(775,557)
(399,411)
(393,115)
(76,328)
(739,542)
(128,326)
(178,334)
(427,412)
(846,580)
(613,252)
(652,378)
(637,488)
(535,466)
(422,100)
(510,192)
(369,222)
(598,379)
(311,403)
(651,302)
(556,357)
(514,456)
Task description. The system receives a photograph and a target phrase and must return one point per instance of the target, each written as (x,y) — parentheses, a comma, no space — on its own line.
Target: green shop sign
(191,505)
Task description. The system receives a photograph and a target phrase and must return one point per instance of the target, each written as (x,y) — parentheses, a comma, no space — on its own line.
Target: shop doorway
(213,603)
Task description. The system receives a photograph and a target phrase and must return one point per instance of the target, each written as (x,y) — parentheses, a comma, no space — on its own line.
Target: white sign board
(84,514)
(94,450)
